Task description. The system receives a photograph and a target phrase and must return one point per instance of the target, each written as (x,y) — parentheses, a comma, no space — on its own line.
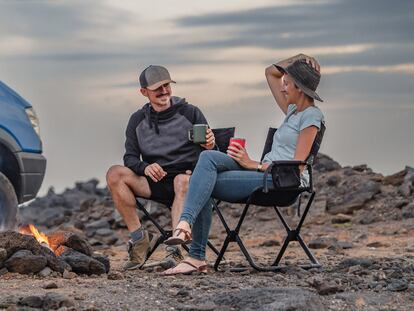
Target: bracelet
(259,167)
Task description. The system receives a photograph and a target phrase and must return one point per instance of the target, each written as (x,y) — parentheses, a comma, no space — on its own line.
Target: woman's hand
(239,154)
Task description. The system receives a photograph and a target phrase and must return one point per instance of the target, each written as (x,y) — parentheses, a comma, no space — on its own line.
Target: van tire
(8,204)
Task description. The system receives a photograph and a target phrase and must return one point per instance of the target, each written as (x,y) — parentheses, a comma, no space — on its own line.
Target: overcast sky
(77,62)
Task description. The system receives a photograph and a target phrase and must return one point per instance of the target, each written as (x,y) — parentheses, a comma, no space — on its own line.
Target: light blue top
(286,136)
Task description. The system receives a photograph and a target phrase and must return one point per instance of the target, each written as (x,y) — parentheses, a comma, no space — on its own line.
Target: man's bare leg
(180,189)
(125,185)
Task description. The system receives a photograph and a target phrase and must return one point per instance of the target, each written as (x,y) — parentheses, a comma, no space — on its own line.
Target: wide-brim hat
(154,76)
(305,77)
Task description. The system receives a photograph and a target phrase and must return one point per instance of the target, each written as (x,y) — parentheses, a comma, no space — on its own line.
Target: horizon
(78,63)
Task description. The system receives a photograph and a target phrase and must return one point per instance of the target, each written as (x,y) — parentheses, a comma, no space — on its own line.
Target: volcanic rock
(83,264)
(13,242)
(32,301)
(25,262)
(322,243)
(3,256)
(70,240)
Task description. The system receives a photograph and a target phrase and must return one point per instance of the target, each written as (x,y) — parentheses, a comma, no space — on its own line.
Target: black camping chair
(275,198)
(222,137)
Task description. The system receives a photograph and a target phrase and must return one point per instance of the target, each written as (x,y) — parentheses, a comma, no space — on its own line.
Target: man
(158,157)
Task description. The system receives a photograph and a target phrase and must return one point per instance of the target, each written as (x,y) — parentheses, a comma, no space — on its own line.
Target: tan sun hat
(305,77)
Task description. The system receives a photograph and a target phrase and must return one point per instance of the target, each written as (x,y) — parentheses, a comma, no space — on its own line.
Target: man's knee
(115,174)
(181,183)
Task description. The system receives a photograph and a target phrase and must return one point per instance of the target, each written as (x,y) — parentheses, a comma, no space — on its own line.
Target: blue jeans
(216,176)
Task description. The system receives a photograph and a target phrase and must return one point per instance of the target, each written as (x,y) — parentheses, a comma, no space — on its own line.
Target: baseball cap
(154,76)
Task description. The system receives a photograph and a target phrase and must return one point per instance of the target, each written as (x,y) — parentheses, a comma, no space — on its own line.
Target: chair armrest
(282,163)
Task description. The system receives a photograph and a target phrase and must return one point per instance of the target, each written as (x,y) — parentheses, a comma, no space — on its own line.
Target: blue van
(22,165)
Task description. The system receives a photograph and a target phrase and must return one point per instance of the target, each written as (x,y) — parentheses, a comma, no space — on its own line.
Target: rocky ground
(360,228)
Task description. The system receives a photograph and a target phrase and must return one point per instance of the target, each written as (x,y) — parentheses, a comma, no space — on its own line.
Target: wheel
(8,204)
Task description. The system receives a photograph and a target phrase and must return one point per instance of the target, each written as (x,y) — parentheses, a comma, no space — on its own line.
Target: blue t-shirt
(286,136)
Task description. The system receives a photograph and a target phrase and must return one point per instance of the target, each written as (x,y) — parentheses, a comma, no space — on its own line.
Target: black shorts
(163,190)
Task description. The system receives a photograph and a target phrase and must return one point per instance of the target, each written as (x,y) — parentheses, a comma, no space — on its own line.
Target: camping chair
(275,198)
(222,137)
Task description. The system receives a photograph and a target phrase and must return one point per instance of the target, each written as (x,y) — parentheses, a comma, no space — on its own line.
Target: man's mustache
(163,94)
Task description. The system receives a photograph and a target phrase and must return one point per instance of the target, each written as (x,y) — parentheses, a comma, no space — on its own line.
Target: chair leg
(222,251)
(294,235)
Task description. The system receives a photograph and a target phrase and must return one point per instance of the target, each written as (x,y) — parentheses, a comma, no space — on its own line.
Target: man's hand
(155,172)
(210,140)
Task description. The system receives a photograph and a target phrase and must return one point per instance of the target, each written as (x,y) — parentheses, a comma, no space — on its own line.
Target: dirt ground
(373,270)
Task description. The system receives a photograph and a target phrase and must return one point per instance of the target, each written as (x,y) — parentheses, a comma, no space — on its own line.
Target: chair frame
(265,197)
(222,142)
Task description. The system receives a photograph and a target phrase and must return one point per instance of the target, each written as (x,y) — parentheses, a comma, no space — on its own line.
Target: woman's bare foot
(188,266)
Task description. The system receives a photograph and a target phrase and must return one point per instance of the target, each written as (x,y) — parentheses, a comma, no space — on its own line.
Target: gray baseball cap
(154,76)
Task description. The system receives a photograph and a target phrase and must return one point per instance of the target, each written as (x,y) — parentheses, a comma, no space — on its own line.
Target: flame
(32,230)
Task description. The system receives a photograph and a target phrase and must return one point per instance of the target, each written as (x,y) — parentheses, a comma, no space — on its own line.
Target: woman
(234,175)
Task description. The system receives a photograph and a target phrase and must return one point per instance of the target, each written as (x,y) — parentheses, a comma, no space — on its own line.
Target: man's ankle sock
(137,234)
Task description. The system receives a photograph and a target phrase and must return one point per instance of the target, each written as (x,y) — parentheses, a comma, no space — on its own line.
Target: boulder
(25,262)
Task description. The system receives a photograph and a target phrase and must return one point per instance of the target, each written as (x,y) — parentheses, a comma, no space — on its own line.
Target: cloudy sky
(77,62)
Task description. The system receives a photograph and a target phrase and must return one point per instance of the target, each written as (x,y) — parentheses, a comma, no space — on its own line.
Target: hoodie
(162,137)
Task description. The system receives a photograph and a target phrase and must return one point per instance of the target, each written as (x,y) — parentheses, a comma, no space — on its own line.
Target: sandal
(176,240)
(196,270)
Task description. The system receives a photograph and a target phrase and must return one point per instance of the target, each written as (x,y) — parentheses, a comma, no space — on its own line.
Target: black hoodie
(162,137)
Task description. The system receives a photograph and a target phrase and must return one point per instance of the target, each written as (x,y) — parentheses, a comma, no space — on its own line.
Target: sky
(77,62)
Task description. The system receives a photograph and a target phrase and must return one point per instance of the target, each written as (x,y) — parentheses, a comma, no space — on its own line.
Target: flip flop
(175,240)
(196,270)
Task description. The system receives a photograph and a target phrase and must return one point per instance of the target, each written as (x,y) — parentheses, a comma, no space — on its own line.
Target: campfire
(39,236)
(31,251)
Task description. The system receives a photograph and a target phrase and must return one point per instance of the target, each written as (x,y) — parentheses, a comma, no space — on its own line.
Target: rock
(269,243)
(377,244)
(3,271)
(341,219)
(115,275)
(54,301)
(324,163)
(13,242)
(104,232)
(355,200)
(25,262)
(3,256)
(333,180)
(32,301)
(327,287)
(83,264)
(68,275)
(102,259)
(86,204)
(395,179)
(88,187)
(50,285)
(322,243)
(363,262)
(342,245)
(70,240)
(45,272)
(397,285)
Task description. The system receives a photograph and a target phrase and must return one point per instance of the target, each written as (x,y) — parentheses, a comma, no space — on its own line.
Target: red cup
(240,141)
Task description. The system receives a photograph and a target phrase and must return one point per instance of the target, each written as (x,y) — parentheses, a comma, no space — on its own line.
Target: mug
(198,133)
(241,141)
